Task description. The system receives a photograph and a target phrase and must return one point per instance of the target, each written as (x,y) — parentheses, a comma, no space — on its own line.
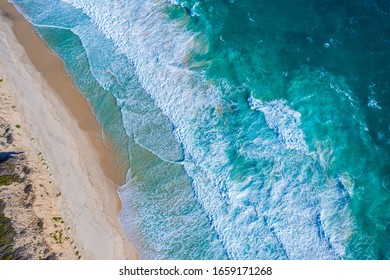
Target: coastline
(64,129)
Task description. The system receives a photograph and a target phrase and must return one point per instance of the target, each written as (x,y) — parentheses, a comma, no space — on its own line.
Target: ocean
(252,129)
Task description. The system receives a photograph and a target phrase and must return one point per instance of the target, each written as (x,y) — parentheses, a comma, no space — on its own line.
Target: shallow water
(253,129)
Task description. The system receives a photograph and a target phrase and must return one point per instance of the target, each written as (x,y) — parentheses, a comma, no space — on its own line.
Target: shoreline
(83,164)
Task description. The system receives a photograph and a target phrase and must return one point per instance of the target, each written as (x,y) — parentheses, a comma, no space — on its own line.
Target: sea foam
(264,216)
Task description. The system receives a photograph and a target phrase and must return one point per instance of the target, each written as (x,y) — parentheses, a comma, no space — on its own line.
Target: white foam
(372,103)
(158,48)
(283,120)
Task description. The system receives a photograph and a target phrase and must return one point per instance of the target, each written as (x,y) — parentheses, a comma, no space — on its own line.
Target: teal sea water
(252,129)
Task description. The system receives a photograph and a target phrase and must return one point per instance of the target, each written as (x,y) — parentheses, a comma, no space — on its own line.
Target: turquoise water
(252,129)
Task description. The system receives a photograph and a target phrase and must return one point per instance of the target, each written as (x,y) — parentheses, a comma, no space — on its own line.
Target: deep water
(252,129)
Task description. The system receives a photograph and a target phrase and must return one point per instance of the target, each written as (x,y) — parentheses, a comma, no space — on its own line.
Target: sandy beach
(58,128)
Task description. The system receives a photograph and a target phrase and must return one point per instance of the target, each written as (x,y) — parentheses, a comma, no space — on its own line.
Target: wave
(283,120)
(145,35)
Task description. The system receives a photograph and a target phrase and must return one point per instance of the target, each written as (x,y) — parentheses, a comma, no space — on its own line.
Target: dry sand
(57,117)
